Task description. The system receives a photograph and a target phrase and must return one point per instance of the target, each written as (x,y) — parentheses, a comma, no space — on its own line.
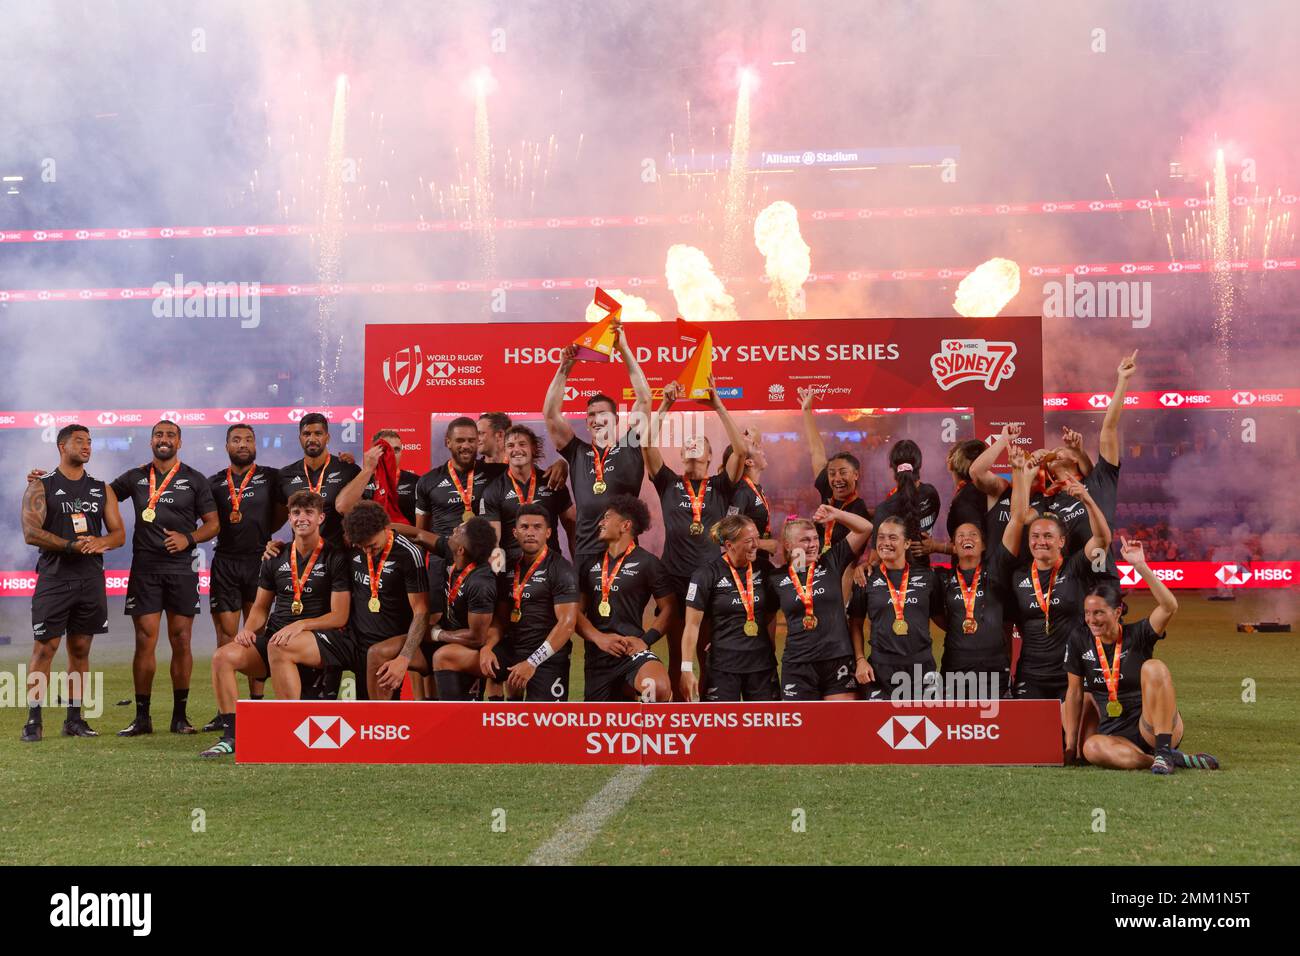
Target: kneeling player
(467,627)
(308,584)
(390,600)
(735,592)
(1114,663)
(537,610)
(615,590)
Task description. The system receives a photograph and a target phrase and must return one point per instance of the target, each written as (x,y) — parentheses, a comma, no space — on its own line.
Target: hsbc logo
(909,733)
(1099,401)
(171,416)
(1035,270)
(358,414)
(1095,206)
(295,414)
(107,418)
(1243,398)
(1171,399)
(1127,576)
(1175,267)
(1049,207)
(43,419)
(403,370)
(1144,203)
(324,733)
(570,393)
(235,415)
(1128,267)
(442,370)
(1232,574)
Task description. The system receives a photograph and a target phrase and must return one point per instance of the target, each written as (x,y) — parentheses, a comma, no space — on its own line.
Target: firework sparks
(987,288)
(736,206)
(789,260)
(330,242)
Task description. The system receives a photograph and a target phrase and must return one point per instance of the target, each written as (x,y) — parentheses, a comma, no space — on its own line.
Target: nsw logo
(973,360)
(403,370)
(324,733)
(909,733)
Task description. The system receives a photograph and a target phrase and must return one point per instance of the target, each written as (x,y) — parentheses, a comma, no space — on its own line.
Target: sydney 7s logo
(973,360)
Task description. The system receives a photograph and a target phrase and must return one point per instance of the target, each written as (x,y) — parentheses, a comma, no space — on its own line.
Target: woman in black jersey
(911,500)
(732,592)
(899,599)
(1132,721)
(969,504)
(977,639)
(818,659)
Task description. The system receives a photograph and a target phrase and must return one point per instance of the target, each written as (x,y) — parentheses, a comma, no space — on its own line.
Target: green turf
(131,801)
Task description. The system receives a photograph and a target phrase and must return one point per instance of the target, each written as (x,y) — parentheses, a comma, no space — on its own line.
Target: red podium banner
(992,366)
(824,732)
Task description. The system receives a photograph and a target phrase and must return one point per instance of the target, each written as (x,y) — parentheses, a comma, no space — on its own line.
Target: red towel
(386,482)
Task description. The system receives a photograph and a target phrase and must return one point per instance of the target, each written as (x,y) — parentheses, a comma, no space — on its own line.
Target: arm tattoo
(34,518)
(419,624)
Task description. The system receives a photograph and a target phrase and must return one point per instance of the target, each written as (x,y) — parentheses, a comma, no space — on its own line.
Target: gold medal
(604,609)
(969,626)
(466,515)
(900,627)
(598,487)
(156,490)
(516,614)
(697,528)
(148,514)
(236,517)
(373,604)
(825,548)
(810,622)
(751,629)
(296,607)
(1114,708)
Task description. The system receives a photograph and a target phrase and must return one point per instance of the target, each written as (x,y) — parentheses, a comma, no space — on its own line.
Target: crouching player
(1113,662)
(467,625)
(537,610)
(301,608)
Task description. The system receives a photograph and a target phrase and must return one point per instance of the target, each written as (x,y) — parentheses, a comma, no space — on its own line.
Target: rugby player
(748,498)
(1114,663)
(365,484)
(836,478)
(249,509)
(734,594)
(818,662)
(303,598)
(65,514)
(170,498)
(915,502)
(492,428)
(319,472)
(537,611)
(616,586)
(467,626)
(522,484)
(610,464)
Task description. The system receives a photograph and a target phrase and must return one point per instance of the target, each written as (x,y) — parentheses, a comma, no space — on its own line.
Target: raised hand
(1127,366)
(1131,550)
(1071,438)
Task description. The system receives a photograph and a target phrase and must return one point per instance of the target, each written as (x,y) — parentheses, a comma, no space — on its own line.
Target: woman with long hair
(915,503)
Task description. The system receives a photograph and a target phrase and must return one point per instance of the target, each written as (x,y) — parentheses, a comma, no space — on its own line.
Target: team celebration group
(457,577)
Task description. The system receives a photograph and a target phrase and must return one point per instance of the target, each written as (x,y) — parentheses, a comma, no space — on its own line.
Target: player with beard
(690,502)
(492,428)
(249,508)
(170,498)
(522,484)
(65,515)
(915,502)
(836,478)
(319,472)
(898,600)
(303,598)
(537,611)
(467,626)
(609,465)
(734,592)
(364,485)
(818,663)
(616,587)
(449,495)
(1115,664)
(748,500)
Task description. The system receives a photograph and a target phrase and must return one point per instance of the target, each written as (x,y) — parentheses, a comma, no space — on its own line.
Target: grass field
(118,801)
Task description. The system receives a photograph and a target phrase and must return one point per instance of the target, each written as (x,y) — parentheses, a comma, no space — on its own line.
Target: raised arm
(739,447)
(1100,540)
(640,387)
(654,459)
(859,527)
(816,446)
(981,469)
(1166,604)
(355,489)
(1110,424)
(557,427)
(1022,475)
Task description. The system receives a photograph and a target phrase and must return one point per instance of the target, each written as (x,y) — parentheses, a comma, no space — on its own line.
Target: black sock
(494,700)
(179,699)
(228,720)
(74,709)
(1164,742)
(256,696)
(141,705)
(34,714)
(453,685)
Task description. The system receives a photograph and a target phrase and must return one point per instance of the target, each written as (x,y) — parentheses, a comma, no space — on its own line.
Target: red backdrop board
(851,732)
(992,367)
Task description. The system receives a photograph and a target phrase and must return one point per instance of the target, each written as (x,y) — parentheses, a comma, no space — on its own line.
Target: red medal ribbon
(320,484)
(532,488)
(370,568)
(1044,604)
(607,579)
(466,497)
(968,598)
(697,500)
(237,497)
(898,597)
(830,525)
(455,587)
(1110,672)
(747,589)
(805,589)
(156,493)
(299,582)
(518,589)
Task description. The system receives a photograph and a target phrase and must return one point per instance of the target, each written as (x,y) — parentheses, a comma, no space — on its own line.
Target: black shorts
(756,685)
(550,682)
(338,648)
(233,583)
(814,680)
(884,687)
(69,606)
(611,683)
(151,592)
(1039,688)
